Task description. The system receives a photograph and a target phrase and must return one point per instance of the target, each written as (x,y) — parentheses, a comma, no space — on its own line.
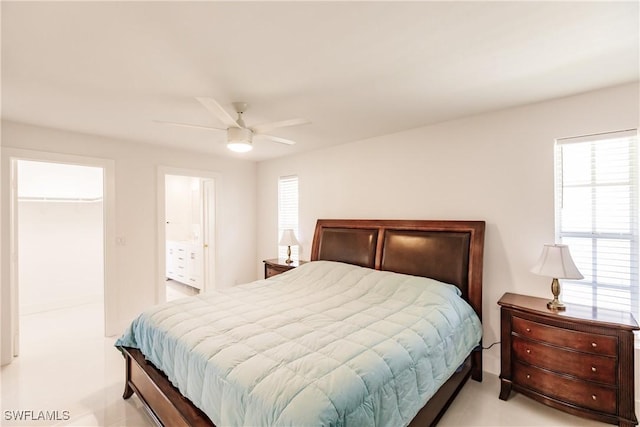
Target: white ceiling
(355,69)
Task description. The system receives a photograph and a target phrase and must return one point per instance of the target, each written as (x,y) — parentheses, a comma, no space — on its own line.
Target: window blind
(288,212)
(596,189)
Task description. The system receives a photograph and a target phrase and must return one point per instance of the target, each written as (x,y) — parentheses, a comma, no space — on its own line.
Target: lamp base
(556,305)
(288,260)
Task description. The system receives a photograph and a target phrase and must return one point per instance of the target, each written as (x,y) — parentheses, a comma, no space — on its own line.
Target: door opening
(189,235)
(59,219)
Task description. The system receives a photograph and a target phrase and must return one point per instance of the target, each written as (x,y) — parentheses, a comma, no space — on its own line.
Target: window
(597,216)
(288,212)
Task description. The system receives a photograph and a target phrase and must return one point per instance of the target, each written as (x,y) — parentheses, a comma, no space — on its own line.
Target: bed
(369,250)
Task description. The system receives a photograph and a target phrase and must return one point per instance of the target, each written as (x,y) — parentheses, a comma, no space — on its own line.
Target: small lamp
(288,239)
(555,261)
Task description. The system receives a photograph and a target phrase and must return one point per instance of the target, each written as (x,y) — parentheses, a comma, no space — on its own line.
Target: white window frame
(593,289)
(288,212)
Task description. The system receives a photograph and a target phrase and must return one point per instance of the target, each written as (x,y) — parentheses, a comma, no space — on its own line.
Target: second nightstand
(276,266)
(579,360)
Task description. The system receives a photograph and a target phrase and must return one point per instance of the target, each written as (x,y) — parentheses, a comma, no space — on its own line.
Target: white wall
(183,207)
(496,167)
(136,175)
(60,235)
(5,317)
(60,254)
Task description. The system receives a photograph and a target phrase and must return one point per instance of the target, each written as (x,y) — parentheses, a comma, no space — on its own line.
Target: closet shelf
(61,199)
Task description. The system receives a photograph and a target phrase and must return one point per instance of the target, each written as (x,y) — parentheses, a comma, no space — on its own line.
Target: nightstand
(276,266)
(579,360)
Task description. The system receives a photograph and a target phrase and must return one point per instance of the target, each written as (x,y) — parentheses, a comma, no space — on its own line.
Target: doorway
(189,207)
(59,223)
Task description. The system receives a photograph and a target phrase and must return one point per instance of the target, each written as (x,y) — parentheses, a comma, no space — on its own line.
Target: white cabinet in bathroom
(194,266)
(184,263)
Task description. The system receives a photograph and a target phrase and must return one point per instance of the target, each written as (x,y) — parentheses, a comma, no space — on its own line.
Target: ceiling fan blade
(187,125)
(217,110)
(278,139)
(266,127)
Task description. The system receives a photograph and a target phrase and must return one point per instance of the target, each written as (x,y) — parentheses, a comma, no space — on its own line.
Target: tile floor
(177,290)
(478,405)
(82,373)
(65,364)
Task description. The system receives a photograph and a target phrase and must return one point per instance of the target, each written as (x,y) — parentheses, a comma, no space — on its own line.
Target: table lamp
(288,239)
(556,262)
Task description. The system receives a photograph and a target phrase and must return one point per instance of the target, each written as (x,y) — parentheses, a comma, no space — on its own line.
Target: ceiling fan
(239,135)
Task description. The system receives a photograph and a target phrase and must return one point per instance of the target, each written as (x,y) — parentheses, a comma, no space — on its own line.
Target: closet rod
(60,199)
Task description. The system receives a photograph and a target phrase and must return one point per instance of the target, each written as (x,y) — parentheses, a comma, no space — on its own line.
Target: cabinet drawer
(582,341)
(273,270)
(585,366)
(181,261)
(581,393)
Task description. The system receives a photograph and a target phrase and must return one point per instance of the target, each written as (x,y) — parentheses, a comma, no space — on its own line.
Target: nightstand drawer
(581,365)
(273,267)
(566,389)
(273,270)
(582,341)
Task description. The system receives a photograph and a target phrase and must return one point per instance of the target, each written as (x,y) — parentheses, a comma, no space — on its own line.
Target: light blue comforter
(323,344)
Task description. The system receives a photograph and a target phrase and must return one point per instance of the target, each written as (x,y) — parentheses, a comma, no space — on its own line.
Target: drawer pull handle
(594,397)
(528,329)
(528,376)
(594,369)
(528,351)
(594,345)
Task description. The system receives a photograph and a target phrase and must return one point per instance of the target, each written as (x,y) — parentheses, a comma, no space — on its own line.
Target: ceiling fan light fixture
(239,135)
(239,139)
(240,146)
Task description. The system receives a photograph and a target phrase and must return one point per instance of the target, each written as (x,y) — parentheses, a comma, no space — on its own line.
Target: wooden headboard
(448,251)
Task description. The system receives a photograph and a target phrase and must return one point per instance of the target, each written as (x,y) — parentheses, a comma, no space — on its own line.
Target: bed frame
(449,251)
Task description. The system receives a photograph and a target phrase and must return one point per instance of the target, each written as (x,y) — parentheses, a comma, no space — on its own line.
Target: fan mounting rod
(240,108)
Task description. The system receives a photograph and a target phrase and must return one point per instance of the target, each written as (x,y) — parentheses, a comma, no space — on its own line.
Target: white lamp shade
(288,238)
(555,261)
